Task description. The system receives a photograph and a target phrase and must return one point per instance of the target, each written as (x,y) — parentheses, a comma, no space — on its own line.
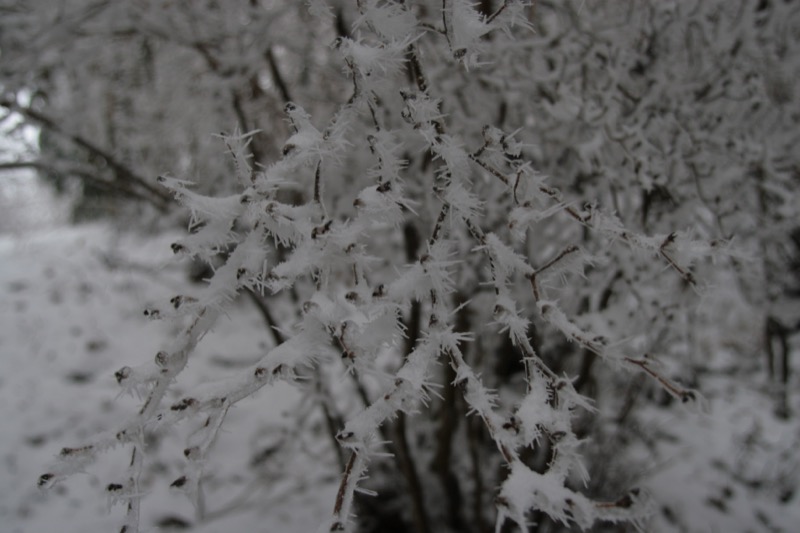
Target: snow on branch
(525,489)
(377,230)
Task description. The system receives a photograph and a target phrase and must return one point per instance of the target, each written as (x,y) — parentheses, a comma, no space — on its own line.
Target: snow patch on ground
(72,316)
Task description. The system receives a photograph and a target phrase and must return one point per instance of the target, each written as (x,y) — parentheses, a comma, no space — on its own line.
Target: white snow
(71,317)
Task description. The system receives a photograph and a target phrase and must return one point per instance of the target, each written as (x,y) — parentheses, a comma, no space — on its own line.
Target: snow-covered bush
(471,205)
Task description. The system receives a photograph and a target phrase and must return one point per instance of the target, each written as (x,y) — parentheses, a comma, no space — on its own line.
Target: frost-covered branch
(415,223)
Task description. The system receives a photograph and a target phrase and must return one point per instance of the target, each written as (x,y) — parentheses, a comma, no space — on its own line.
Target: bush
(503,194)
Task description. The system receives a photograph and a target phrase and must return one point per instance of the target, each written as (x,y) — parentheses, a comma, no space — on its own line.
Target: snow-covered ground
(26,204)
(735,468)
(72,315)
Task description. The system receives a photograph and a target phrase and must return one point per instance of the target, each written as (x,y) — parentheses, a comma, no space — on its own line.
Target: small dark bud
(162,358)
(44,479)
(386,186)
(122,374)
(345,435)
(321,230)
(177,248)
(114,487)
(191,453)
(625,502)
(184,404)
(379,291)
(512,425)
(179,300)
(65,452)
(178,483)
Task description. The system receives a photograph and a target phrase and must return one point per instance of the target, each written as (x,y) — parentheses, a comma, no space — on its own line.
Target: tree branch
(157,197)
(84,174)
